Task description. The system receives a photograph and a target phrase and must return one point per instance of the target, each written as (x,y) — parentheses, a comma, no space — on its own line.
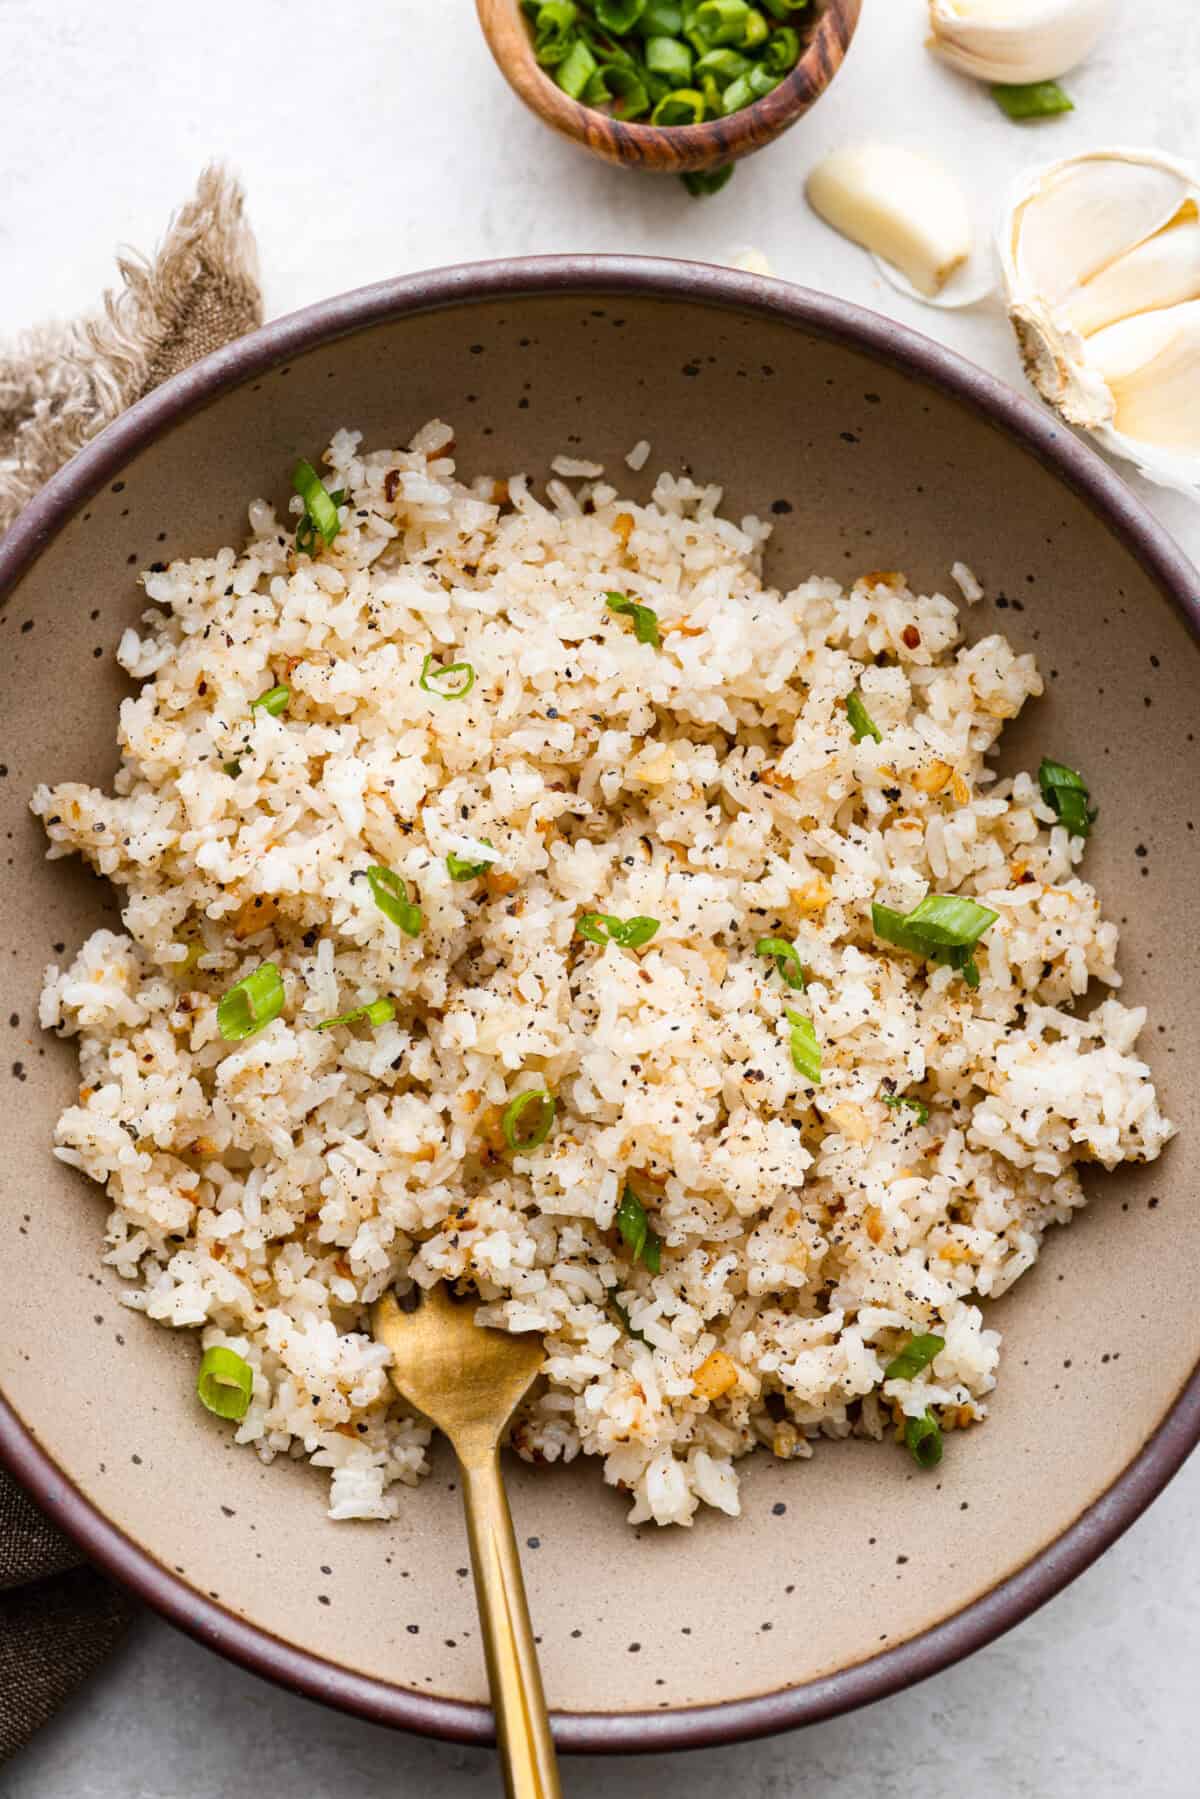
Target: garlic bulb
(1101,259)
(1015,41)
(899,204)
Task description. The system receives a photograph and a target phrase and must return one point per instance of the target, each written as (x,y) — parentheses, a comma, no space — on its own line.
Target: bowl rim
(1065,456)
(676,149)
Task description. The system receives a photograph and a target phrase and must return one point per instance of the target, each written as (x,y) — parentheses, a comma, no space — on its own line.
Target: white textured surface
(375,139)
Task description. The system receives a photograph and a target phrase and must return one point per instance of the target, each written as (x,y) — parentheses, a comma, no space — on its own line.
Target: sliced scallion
(914,1357)
(943,928)
(274,700)
(923,1440)
(861,723)
(521,1139)
(380,1011)
(806,1051)
(683,106)
(576,69)
(630,933)
(1066,792)
(225,1382)
(645,619)
(634,1226)
(460,677)
(786,958)
(1031,99)
(390,894)
(896,1100)
(250,1003)
(459,868)
(707,181)
(320,509)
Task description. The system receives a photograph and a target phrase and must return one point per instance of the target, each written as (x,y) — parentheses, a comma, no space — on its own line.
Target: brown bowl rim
(1083,471)
(677,149)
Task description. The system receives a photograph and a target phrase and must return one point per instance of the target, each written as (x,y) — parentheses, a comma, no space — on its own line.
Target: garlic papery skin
(899,204)
(1101,262)
(1015,41)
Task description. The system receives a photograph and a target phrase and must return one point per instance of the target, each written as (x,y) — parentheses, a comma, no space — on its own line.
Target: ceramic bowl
(827,27)
(850,1575)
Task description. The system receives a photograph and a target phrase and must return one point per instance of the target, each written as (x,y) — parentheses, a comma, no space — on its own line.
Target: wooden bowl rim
(675,148)
(1083,471)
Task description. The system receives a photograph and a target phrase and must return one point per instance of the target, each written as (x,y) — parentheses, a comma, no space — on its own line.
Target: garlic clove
(1086,213)
(899,204)
(1015,41)
(1162,271)
(1150,364)
(1101,261)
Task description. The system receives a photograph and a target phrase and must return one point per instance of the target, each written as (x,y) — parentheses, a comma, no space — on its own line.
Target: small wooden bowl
(674,150)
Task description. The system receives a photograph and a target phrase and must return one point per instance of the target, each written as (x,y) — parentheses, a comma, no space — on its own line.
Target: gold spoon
(467,1381)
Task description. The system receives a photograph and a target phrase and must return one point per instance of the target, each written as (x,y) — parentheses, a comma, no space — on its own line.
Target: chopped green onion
(806,1051)
(459,869)
(685,106)
(630,94)
(861,723)
(380,1011)
(762,81)
(950,920)
(944,928)
(661,18)
(634,1227)
(726,64)
(670,58)
(1065,791)
(923,1440)
(782,52)
(645,619)
(915,1356)
(1031,99)
(320,511)
(554,31)
(250,1003)
(390,894)
(786,957)
(274,700)
(630,933)
(755,32)
(721,21)
(783,9)
(521,1142)
(896,1100)
(707,181)
(225,1382)
(618,15)
(738,94)
(576,69)
(458,689)
(630,1330)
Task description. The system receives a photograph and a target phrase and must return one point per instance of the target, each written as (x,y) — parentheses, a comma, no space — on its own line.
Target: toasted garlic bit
(1015,41)
(900,205)
(1101,258)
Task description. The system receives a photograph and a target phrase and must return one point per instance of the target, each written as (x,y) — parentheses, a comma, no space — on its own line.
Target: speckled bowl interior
(849,1574)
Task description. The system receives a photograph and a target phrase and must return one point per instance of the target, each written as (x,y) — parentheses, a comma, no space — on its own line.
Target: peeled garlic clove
(1163,271)
(1101,259)
(1015,41)
(899,204)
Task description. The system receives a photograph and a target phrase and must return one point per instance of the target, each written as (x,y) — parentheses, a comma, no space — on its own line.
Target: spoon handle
(522,1724)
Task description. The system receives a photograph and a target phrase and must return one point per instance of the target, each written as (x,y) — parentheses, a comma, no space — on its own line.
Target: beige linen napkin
(59,385)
